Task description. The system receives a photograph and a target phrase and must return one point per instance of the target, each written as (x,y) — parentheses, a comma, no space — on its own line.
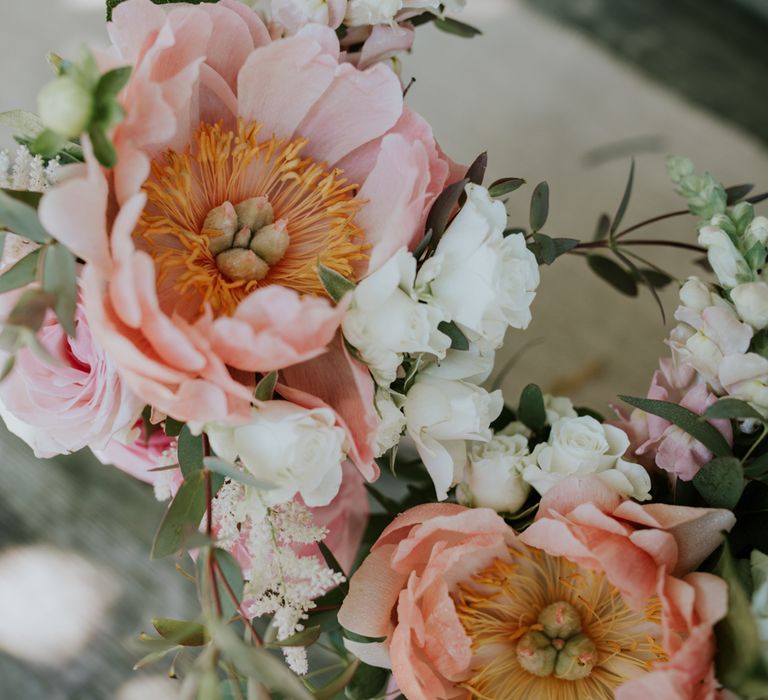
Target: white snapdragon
(364,12)
(728,263)
(294,14)
(386,320)
(481,280)
(289,448)
(751,301)
(441,415)
(391,422)
(493,477)
(582,445)
(756,232)
(745,377)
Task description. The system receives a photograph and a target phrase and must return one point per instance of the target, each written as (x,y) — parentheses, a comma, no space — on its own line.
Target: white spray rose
(727,262)
(364,12)
(474,365)
(582,445)
(293,449)
(391,422)
(751,300)
(481,280)
(745,377)
(386,320)
(558,407)
(440,416)
(493,477)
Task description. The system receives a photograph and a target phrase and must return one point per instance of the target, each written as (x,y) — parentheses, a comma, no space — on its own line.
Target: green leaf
(476,171)
(186,633)
(184,514)
(305,638)
(459,341)
(233,574)
(341,681)
(442,209)
(60,279)
(173,427)
(30,309)
(21,219)
(265,389)
(613,273)
(102,147)
(547,249)
(260,664)
(368,682)
(735,193)
(531,409)
(687,420)
(624,201)
(47,143)
(219,466)
(24,123)
(539,206)
(335,284)
(720,482)
(111,82)
(332,563)
(453,26)
(361,638)
(191,452)
(423,245)
(731,408)
(505,185)
(586,411)
(21,273)
(758,468)
(30,198)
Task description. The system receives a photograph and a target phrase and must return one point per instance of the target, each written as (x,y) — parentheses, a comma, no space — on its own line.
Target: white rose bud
(440,416)
(65,106)
(481,280)
(727,262)
(391,422)
(385,319)
(289,448)
(493,478)
(584,446)
(751,302)
(558,407)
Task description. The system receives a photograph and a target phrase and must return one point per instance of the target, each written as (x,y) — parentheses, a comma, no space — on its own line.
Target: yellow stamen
(185,193)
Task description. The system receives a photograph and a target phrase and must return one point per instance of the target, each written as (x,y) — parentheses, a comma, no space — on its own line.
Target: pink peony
(581,605)
(243,161)
(78,402)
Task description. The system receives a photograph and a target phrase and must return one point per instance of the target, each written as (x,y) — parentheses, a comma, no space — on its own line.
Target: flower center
(233,213)
(543,627)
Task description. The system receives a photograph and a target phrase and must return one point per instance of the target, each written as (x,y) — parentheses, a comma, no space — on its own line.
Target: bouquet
(240,268)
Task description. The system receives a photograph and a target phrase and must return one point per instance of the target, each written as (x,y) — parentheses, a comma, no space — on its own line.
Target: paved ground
(541,99)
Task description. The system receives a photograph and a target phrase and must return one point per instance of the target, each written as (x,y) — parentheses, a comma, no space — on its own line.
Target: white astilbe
(283,583)
(27,172)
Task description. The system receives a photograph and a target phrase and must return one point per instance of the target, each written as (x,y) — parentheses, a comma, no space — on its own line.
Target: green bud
(65,106)
(536,654)
(560,620)
(577,659)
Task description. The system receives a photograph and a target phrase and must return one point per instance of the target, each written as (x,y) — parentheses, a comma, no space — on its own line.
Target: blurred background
(558,90)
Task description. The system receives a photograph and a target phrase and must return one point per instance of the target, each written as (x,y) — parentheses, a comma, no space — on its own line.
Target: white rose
(364,12)
(292,449)
(751,300)
(481,280)
(440,416)
(493,477)
(757,232)
(474,365)
(745,377)
(558,407)
(727,262)
(582,445)
(391,422)
(385,319)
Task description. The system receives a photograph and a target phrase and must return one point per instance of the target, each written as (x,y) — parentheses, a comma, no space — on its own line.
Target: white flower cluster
(501,472)
(282,582)
(478,282)
(26,172)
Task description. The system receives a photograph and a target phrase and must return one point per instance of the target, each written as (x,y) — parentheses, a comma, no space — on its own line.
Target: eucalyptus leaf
(230,570)
(368,682)
(190,451)
(539,206)
(735,193)
(613,273)
(338,684)
(505,185)
(60,279)
(30,309)
(720,482)
(335,284)
(102,147)
(361,638)
(547,249)
(26,124)
(186,633)
(531,410)
(173,427)
(265,389)
(453,26)
(688,421)
(459,341)
(476,171)
(21,273)
(30,198)
(230,471)
(758,468)
(21,219)
(442,209)
(112,82)
(47,143)
(184,514)
(619,216)
(305,638)
(731,408)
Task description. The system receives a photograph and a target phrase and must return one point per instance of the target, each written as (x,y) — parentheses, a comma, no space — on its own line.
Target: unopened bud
(220,226)
(577,659)
(560,620)
(65,106)
(240,264)
(242,238)
(254,213)
(536,654)
(270,242)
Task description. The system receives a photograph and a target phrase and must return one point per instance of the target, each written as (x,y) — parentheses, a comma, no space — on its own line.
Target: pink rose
(242,161)
(80,401)
(583,604)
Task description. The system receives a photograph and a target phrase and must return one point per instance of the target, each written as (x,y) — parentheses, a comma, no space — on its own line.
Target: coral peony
(242,163)
(582,605)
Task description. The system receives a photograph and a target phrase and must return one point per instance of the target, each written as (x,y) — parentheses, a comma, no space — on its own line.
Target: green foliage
(190,452)
(731,408)
(21,273)
(459,341)
(720,482)
(453,26)
(230,471)
(21,218)
(369,682)
(187,633)
(335,284)
(705,195)
(505,185)
(265,389)
(539,210)
(547,249)
(60,279)
(531,410)
(624,203)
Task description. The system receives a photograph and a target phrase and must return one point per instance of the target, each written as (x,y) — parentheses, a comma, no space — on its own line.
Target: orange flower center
(233,213)
(543,627)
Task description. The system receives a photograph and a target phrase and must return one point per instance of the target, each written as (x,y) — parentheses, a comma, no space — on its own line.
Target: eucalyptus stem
(238,606)
(642,242)
(648,222)
(756,443)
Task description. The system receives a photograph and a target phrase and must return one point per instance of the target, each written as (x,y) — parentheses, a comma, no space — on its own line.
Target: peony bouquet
(240,268)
